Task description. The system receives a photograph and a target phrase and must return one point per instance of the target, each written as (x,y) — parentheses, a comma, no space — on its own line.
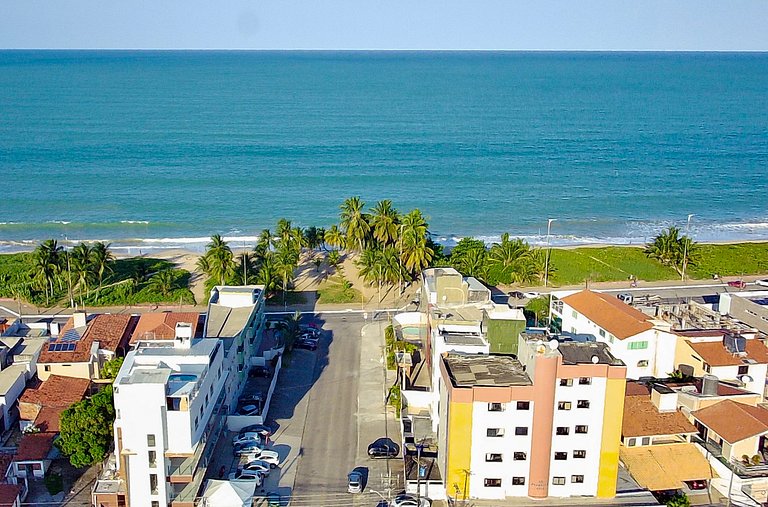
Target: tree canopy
(85,429)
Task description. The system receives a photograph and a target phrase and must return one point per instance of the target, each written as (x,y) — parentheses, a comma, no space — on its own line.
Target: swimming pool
(411,331)
(182,377)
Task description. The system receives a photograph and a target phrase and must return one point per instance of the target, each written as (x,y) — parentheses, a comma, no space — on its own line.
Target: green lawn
(334,291)
(731,260)
(291,298)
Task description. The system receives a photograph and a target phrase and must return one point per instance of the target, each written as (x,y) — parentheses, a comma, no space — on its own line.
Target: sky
(655,25)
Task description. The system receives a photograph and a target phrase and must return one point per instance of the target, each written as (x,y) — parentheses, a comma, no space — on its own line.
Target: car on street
(247,437)
(266,455)
(625,297)
(740,284)
(531,295)
(516,294)
(259,466)
(354,482)
(259,371)
(383,448)
(248,448)
(409,501)
(261,429)
(273,500)
(311,331)
(763,282)
(249,409)
(244,475)
(306,343)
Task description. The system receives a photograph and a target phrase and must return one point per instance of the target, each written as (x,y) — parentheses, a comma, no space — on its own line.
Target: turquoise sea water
(161,149)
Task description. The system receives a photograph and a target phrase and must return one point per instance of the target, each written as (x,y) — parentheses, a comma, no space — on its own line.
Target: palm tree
(163,282)
(334,237)
(370,266)
(286,261)
(81,265)
(246,267)
(102,260)
(671,249)
(290,329)
(220,260)
(313,237)
(384,222)
(267,275)
(47,264)
(506,258)
(354,223)
(284,231)
(334,258)
(416,252)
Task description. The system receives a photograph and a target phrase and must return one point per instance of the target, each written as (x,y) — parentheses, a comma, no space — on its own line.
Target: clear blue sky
(387,24)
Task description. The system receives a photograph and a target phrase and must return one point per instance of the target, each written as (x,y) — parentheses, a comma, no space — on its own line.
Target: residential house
(11,495)
(161,326)
(13,380)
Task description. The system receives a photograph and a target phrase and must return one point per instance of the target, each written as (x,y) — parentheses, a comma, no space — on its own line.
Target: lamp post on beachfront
(400,260)
(685,246)
(546,261)
(69,274)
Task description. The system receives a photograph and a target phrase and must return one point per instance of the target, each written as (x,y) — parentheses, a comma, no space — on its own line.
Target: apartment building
(546,424)
(161,326)
(750,307)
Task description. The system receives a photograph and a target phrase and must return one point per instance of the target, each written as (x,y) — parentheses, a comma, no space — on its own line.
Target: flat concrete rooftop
(485,370)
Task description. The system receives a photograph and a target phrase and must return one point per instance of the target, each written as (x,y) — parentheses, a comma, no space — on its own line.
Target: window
(155,503)
(602,333)
(643,363)
(574,314)
(518,481)
(564,405)
(706,367)
(492,483)
(495,407)
(47,367)
(565,382)
(581,428)
(558,481)
(150,440)
(582,404)
(520,456)
(561,456)
(521,430)
(585,381)
(523,405)
(153,483)
(172,403)
(631,442)
(493,457)
(611,338)
(641,345)
(152,458)
(578,479)
(561,430)
(494,432)
(579,454)
(646,440)
(743,370)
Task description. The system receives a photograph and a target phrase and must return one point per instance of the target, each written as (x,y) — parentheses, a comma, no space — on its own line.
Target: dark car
(306,343)
(383,448)
(262,429)
(259,371)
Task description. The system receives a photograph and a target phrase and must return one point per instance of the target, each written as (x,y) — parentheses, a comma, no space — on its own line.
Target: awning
(666,466)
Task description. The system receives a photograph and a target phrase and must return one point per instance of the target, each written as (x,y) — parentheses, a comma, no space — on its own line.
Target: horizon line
(400,50)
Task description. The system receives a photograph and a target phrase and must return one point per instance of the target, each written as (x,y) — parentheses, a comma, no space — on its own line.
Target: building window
(639,345)
(602,333)
(579,454)
(561,456)
(521,430)
(611,338)
(558,481)
(706,367)
(631,442)
(743,370)
(566,382)
(646,440)
(493,457)
(561,430)
(492,483)
(581,428)
(495,407)
(585,381)
(643,363)
(47,367)
(519,456)
(153,483)
(578,479)
(155,503)
(173,404)
(582,404)
(518,481)
(564,405)
(150,440)
(523,405)
(152,458)
(494,432)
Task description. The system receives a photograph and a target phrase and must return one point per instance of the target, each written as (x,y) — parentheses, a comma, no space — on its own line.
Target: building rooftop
(57,391)
(733,421)
(452,338)
(226,322)
(586,353)
(35,446)
(716,354)
(73,345)
(9,493)
(485,370)
(9,376)
(666,466)
(48,419)
(162,325)
(642,419)
(608,312)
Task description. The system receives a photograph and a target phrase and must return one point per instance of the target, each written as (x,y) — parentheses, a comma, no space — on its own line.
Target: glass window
(581,428)
(743,370)
(519,456)
(518,481)
(155,503)
(639,345)
(153,483)
(575,314)
(492,483)
(521,430)
(492,457)
(523,405)
(582,404)
(643,363)
(602,333)
(494,432)
(558,481)
(631,442)
(152,458)
(580,454)
(495,407)
(646,440)
(562,430)
(706,367)
(564,405)
(566,382)
(150,440)
(585,381)
(577,479)
(561,456)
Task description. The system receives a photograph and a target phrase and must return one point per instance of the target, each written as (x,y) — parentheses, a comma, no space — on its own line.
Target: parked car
(259,466)
(354,482)
(739,284)
(531,295)
(259,371)
(410,501)
(516,294)
(262,429)
(261,454)
(248,410)
(248,449)
(273,500)
(763,282)
(312,331)
(625,297)
(306,343)
(247,437)
(245,475)
(383,448)
(250,398)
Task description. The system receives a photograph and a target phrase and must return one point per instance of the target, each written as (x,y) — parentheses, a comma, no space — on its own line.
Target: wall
(237,422)
(756,371)
(74,370)
(609,451)
(745,310)
(459,446)
(13,393)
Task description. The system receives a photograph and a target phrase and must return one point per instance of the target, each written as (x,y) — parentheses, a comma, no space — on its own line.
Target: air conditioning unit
(746,379)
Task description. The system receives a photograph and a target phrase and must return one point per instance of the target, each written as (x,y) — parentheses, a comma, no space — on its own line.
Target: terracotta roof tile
(608,312)
(162,325)
(733,421)
(57,391)
(642,419)
(48,419)
(715,353)
(35,446)
(637,389)
(9,493)
(111,331)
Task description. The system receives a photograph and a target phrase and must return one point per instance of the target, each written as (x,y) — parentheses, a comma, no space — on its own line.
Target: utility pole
(400,263)
(69,274)
(546,261)
(685,246)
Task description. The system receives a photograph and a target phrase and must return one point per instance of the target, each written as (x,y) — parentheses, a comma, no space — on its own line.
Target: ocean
(162,149)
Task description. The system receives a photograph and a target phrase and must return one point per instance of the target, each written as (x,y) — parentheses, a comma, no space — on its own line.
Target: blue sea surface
(165,148)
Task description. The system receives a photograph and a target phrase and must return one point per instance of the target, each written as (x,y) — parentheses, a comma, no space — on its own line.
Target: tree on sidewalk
(85,429)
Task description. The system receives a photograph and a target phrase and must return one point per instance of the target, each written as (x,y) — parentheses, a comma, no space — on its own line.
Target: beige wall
(739,449)
(74,370)
(452,288)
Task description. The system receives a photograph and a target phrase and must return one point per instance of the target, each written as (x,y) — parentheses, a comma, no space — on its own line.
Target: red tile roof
(642,419)
(162,325)
(733,421)
(9,493)
(48,419)
(111,331)
(57,391)
(608,312)
(35,446)
(715,353)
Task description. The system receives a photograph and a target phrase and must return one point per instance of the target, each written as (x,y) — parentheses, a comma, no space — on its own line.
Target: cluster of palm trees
(512,260)
(674,250)
(78,269)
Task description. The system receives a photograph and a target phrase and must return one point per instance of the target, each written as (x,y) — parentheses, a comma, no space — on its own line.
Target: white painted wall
(758,373)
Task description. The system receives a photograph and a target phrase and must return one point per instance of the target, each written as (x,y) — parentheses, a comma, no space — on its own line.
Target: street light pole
(685,247)
(69,274)
(400,263)
(546,261)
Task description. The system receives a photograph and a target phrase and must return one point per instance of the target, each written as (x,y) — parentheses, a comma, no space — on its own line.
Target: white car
(259,466)
(247,437)
(248,410)
(409,501)
(271,457)
(763,282)
(531,295)
(244,475)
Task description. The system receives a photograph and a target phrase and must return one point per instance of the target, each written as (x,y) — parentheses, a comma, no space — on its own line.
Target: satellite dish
(595,359)
(553,344)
